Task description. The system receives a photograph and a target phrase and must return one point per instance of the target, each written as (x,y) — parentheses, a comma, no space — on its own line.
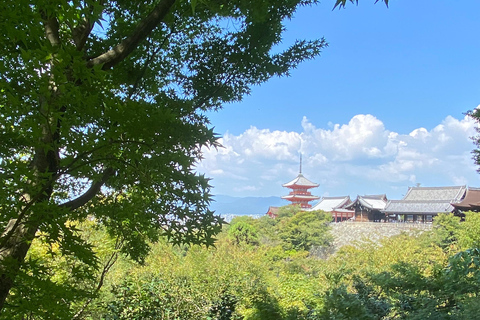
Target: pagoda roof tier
(294,197)
(301,181)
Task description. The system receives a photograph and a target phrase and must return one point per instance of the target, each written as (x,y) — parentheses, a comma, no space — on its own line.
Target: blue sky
(381,109)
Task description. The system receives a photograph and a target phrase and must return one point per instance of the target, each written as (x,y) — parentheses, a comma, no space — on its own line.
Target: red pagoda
(300,194)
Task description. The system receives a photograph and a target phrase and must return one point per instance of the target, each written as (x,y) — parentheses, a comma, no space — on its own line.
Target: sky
(380,110)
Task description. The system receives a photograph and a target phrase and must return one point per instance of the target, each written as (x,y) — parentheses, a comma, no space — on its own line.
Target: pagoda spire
(300,163)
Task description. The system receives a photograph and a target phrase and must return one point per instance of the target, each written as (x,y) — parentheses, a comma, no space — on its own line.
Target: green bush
(243,231)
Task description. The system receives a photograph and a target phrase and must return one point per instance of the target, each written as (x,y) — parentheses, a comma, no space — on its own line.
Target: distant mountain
(227,205)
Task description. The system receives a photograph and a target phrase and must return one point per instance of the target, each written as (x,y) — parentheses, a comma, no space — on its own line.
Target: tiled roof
(300,180)
(374,202)
(328,204)
(418,207)
(375,196)
(427,200)
(298,196)
(273,210)
(471,200)
(452,194)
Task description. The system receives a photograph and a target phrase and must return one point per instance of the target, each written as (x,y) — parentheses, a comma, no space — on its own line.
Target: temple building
(300,194)
(369,208)
(336,206)
(422,204)
(273,212)
(471,202)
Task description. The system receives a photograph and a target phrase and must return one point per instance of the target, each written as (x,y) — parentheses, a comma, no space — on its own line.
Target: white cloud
(363,136)
(263,143)
(361,156)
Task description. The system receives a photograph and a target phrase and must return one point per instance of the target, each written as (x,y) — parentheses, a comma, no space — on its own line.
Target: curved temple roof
(373,202)
(301,181)
(418,207)
(329,204)
(471,200)
(451,194)
(427,200)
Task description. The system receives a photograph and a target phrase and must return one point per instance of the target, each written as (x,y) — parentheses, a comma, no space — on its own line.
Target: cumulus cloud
(358,157)
(363,136)
(263,144)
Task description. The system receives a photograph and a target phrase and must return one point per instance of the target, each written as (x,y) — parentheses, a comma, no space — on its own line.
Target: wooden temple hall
(421,204)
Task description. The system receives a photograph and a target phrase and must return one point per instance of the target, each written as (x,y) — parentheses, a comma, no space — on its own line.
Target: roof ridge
(420,201)
(446,187)
(374,196)
(336,197)
(309,184)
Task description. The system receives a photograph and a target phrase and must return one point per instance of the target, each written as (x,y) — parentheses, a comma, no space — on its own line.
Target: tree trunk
(19,233)
(13,253)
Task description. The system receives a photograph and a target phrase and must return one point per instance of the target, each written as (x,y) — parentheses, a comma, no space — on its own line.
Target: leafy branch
(342,3)
(112,57)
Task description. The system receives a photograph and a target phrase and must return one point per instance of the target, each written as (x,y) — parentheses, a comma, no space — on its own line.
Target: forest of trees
(263,268)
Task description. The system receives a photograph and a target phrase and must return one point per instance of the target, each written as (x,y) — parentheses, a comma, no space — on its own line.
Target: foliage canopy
(102,115)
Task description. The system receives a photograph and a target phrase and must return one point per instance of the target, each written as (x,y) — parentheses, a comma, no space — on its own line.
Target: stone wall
(348,232)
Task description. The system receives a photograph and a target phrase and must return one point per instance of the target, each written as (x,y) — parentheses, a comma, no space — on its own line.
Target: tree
(342,3)
(446,227)
(242,230)
(306,230)
(73,288)
(406,291)
(468,232)
(102,114)
(475,115)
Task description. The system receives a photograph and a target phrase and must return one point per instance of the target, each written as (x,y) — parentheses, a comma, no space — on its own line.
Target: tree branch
(51,30)
(90,193)
(13,224)
(112,57)
(145,66)
(342,3)
(81,32)
(110,262)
